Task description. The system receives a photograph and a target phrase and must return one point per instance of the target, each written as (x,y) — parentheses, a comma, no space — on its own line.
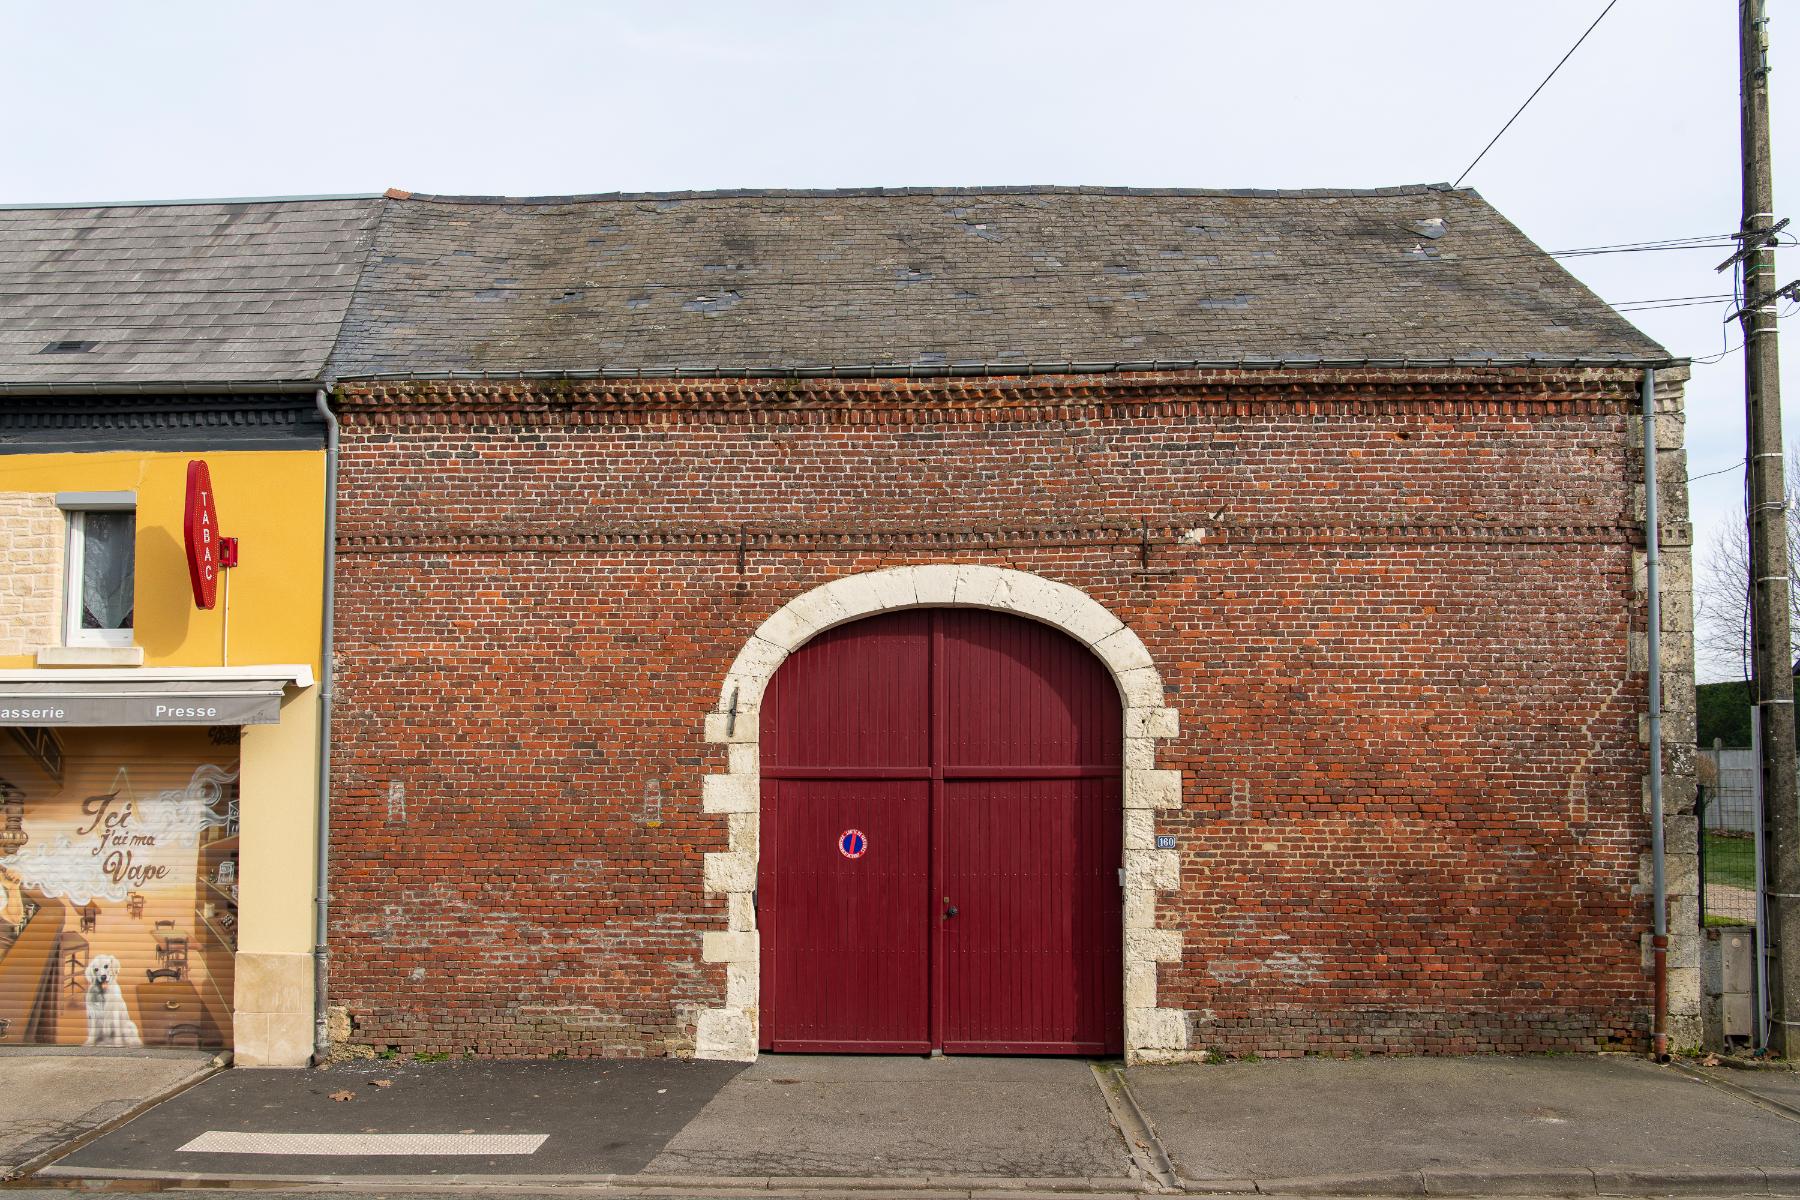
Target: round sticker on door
(852,843)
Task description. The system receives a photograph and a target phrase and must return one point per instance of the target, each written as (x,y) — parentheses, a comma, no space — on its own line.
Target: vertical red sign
(200,530)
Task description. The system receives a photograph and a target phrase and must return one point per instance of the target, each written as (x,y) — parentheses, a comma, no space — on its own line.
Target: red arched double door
(941,825)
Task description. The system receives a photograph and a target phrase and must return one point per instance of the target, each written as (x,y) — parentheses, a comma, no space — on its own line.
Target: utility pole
(1772,682)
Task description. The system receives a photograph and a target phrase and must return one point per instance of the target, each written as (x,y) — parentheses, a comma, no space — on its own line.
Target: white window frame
(77,505)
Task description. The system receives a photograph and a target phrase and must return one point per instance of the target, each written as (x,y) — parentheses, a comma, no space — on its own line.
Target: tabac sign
(207,552)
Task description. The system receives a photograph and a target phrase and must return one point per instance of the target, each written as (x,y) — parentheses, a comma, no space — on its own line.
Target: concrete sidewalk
(923,1118)
(1468,1126)
(51,1097)
(1413,1125)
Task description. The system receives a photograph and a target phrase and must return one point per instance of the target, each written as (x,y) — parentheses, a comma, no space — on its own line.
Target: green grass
(1730,859)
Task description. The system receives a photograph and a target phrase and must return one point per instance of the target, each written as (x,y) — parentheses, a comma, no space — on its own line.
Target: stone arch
(730,1032)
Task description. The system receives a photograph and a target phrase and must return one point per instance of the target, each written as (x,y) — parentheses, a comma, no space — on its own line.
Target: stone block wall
(1397,618)
(32,531)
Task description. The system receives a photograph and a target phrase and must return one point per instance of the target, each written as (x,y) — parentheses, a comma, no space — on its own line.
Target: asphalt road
(596,1117)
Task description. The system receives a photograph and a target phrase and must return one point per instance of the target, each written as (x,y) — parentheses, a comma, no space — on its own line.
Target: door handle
(950,912)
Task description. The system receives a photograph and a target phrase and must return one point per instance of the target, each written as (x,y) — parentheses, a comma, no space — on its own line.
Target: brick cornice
(1441,392)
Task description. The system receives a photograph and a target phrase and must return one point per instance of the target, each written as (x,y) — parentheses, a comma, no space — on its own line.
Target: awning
(166,696)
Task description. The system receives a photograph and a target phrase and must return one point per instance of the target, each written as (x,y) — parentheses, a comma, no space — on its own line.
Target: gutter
(322,848)
(248,387)
(1659,938)
(967,369)
(869,371)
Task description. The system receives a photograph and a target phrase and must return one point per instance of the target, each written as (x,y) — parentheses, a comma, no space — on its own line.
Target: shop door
(940,843)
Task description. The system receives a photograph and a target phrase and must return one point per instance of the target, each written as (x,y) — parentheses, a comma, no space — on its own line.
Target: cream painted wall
(275,857)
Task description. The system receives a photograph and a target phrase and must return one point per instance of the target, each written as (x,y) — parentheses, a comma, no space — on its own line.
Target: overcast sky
(1636,139)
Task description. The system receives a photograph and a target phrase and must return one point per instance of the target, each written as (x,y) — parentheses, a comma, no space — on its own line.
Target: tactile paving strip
(217,1141)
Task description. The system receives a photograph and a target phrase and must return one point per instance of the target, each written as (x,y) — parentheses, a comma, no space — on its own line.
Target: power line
(1534,92)
(1716,296)
(1719,357)
(1634,306)
(1738,465)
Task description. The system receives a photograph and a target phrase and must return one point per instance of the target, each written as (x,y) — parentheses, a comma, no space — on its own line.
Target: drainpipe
(322,851)
(1659,939)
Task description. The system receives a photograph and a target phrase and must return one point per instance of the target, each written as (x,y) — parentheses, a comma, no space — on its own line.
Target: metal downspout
(1659,940)
(322,849)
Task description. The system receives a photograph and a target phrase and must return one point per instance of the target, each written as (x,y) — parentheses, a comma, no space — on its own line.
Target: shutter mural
(118,888)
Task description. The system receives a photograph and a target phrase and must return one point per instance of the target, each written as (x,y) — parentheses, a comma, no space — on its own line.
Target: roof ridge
(1411,189)
(9,206)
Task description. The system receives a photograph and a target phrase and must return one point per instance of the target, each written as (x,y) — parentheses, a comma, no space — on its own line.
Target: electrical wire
(1651,307)
(1717,296)
(1721,471)
(1534,93)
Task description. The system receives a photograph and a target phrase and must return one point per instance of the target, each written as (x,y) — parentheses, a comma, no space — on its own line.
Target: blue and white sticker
(853,843)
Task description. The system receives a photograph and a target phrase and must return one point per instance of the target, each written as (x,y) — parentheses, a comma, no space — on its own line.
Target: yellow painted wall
(271,501)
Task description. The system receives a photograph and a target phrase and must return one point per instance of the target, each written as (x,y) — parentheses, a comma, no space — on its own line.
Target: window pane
(106,569)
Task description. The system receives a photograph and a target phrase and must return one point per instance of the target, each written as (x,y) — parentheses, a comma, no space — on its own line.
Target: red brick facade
(1392,610)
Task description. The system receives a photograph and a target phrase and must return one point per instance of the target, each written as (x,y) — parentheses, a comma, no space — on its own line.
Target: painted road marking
(219,1141)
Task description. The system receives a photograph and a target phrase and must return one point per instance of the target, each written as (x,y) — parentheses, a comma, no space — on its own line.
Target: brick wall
(1395,614)
(31,563)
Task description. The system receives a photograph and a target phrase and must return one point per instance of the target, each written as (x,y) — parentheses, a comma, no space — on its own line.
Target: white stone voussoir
(1139,687)
(1123,651)
(754,666)
(895,588)
(935,584)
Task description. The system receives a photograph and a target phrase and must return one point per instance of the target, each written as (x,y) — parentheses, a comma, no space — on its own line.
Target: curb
(1141,1142)
(1545,1182)
(1766,1103)
(101,1178)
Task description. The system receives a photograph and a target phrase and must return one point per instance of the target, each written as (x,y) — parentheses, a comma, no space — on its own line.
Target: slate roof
(261,291)
(935,277)
(203,293)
